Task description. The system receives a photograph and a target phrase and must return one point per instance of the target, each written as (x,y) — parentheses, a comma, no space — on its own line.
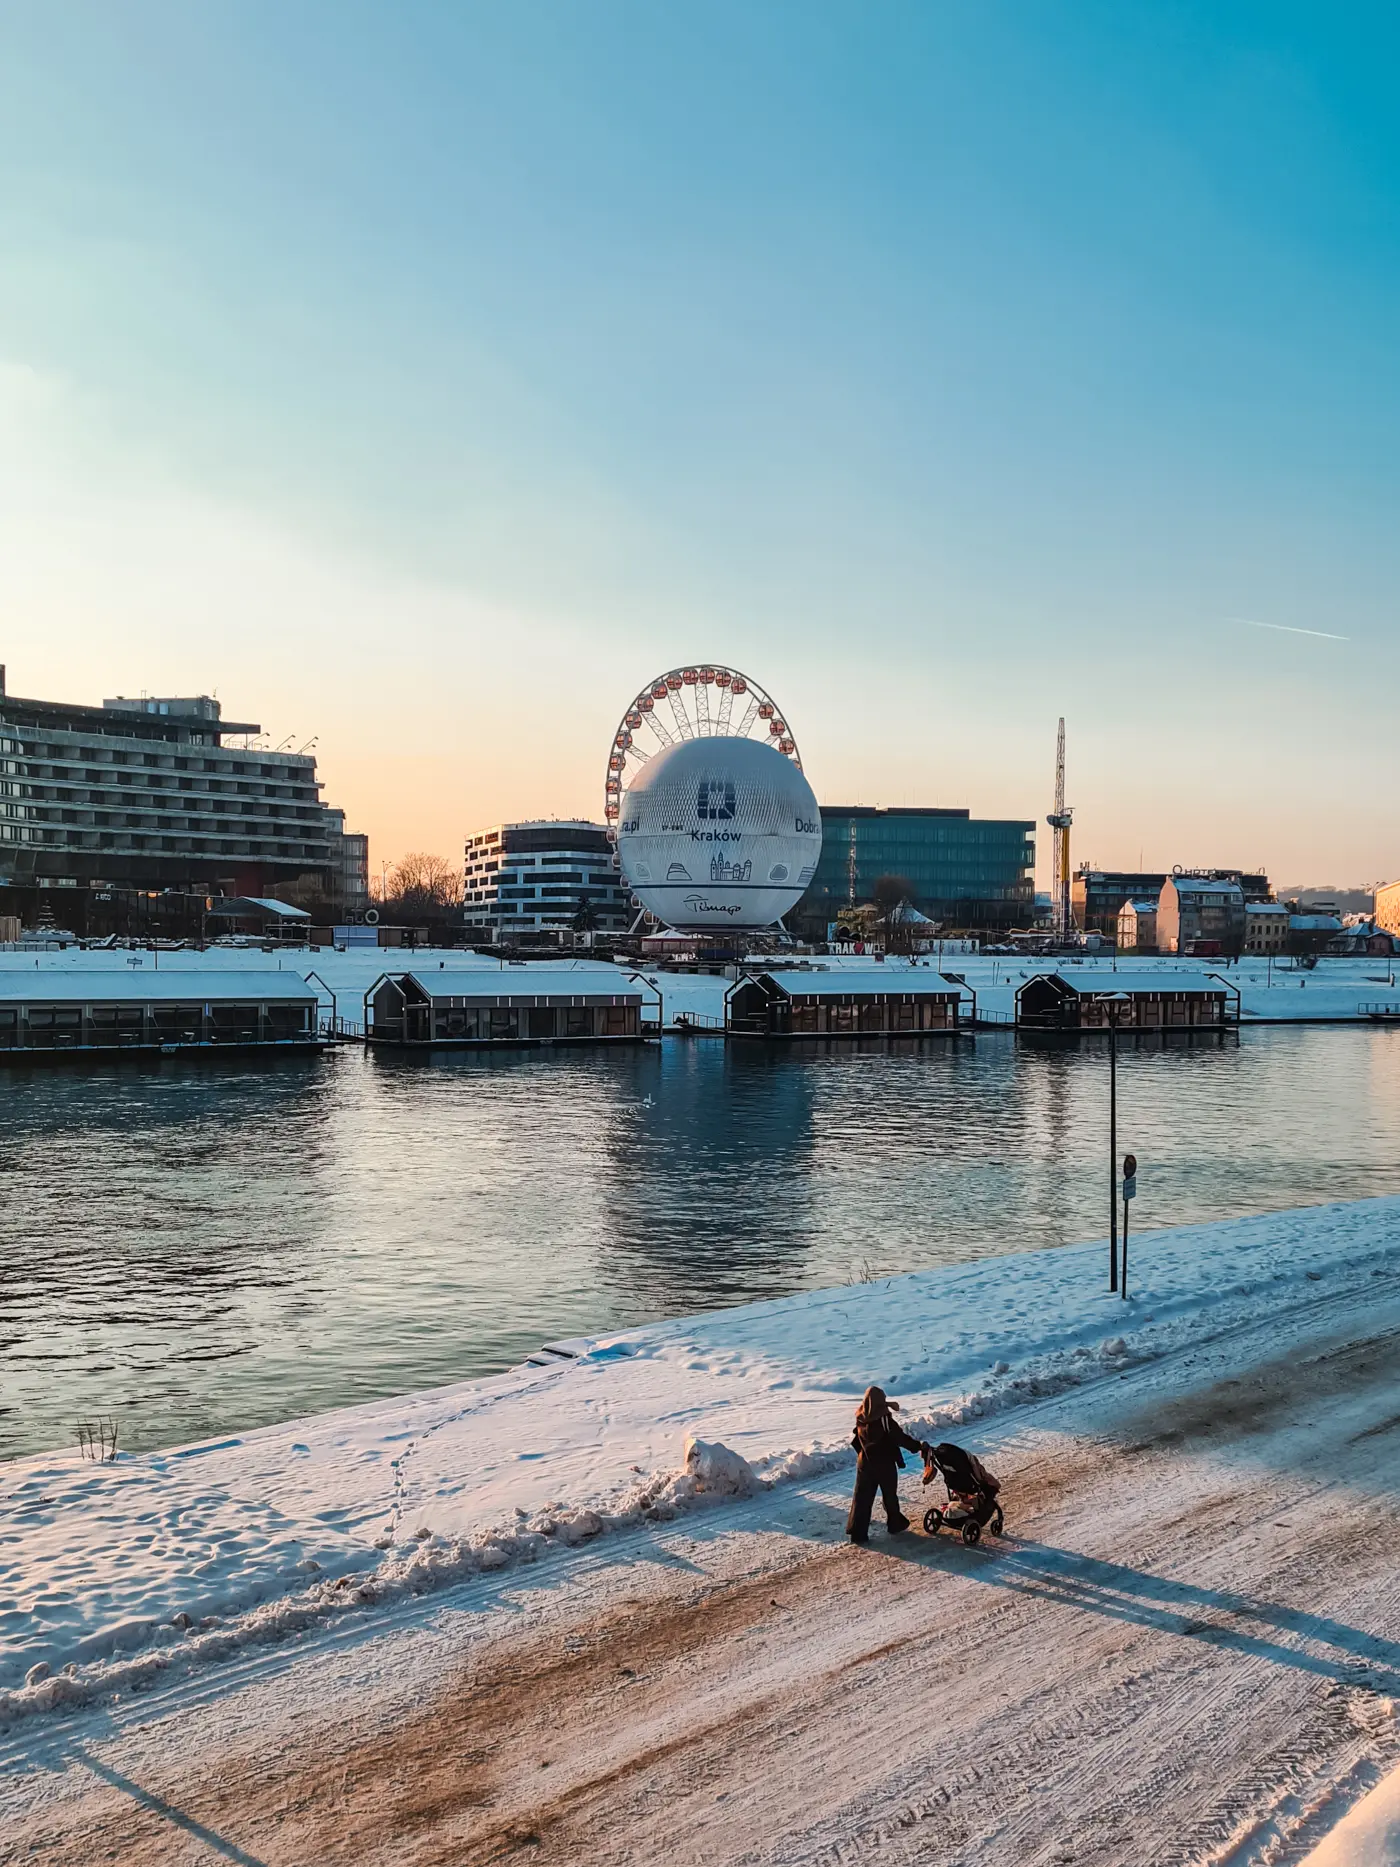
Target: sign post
(1129,1192)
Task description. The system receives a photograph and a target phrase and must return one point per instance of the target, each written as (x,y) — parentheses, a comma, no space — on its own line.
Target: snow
(1184,1649)
(1368,1836)
(1336,989)
(719,1469)
(111,1574)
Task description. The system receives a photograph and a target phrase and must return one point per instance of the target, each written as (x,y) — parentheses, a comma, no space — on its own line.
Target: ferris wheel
(690,703)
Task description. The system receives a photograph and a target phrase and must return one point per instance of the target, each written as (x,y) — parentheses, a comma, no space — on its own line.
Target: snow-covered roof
(149,986)
(1197,885)
(848,981)
(1147,906)
(1314,923)
(239,907)
(1265,907)
(1160,980)
(480,985)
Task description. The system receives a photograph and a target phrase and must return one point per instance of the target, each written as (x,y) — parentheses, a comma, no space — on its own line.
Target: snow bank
(110,1574)
(718,1470)
(1369,1836)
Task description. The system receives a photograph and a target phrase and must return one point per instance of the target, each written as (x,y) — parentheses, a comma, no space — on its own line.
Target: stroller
(972,1494)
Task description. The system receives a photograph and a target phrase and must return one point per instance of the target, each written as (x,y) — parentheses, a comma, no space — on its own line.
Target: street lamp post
(1114,1007)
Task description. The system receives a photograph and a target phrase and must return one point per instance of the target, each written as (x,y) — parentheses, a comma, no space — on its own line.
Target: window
(714,801)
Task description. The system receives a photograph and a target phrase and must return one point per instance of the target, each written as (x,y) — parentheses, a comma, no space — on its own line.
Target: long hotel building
(147,794)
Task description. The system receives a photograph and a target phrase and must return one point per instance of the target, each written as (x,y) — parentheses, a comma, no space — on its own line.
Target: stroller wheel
(972,1533)
(997,1521)
(933,1520)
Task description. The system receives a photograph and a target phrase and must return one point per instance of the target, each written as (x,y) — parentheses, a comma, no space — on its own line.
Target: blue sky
(426,378)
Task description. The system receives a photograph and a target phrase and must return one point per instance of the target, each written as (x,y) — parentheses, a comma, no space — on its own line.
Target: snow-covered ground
(1184,1649)
(1336,989)
(112,1575)
(1368,1836)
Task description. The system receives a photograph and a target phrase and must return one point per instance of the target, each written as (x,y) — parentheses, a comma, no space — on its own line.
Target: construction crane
(1059,821)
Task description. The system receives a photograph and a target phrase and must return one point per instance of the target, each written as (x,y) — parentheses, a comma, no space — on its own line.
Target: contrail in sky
(1284,629)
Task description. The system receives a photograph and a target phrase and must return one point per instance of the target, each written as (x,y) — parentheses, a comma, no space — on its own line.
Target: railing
(698,1021)
(336,1025)
(1390,1009)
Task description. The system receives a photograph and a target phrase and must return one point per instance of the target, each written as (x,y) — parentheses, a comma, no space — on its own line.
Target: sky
(424,379)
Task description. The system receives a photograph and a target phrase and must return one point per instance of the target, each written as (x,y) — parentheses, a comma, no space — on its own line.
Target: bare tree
(422,886)
(427,877)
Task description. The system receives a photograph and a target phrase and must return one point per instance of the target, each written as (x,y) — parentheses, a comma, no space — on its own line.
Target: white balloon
(719,833)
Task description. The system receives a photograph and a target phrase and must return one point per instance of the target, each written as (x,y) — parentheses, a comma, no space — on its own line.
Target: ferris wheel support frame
(625,755)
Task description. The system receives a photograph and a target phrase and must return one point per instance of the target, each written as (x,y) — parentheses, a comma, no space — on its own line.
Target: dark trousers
(871,1478)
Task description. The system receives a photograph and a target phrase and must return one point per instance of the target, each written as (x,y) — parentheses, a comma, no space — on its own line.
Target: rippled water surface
(197,1250)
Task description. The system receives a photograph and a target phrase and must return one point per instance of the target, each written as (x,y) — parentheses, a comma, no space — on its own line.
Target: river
(197,1249)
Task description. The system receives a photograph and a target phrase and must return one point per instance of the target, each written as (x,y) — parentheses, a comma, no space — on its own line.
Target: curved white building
(719,832)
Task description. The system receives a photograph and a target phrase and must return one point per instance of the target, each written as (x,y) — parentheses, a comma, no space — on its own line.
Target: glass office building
(969,873)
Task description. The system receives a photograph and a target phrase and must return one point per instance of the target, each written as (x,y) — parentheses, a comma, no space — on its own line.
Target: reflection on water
(198,1249)
(709,1197)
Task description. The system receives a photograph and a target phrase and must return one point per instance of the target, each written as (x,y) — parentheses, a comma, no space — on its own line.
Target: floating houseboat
(848,1002)
(476,1007)
(1135,1001)
(45,1012)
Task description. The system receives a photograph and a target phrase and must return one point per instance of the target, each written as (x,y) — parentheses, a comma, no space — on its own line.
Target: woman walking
(877,1440)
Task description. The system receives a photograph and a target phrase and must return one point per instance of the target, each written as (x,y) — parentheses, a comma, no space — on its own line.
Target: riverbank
(167,1561)
(1278,992)
(1185,1649)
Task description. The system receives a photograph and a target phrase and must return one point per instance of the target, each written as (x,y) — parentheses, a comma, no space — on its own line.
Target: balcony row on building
(147,798)
(525,882)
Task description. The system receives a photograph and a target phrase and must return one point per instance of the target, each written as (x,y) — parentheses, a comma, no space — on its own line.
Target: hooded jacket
(878,1435)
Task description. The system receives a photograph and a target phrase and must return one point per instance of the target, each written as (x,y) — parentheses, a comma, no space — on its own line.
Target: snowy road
(1186,1650)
